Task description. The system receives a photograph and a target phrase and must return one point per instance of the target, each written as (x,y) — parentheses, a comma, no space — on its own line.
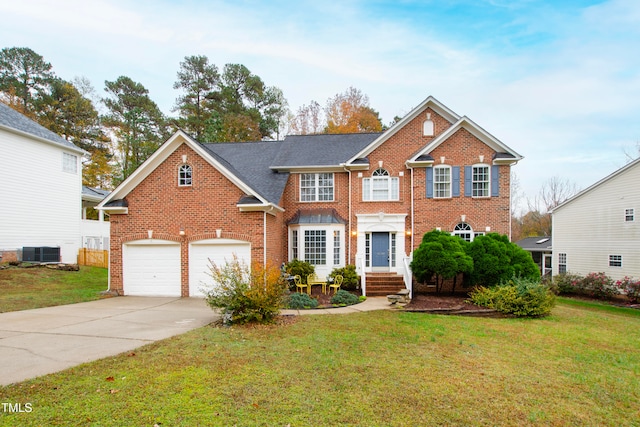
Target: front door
(380,250)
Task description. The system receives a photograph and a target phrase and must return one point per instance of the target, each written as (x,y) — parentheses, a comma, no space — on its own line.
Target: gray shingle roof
(250,161)
(12,119)
(535,244)
(321,150)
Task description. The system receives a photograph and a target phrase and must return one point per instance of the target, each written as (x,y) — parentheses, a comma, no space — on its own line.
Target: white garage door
(219,251)
(151,268)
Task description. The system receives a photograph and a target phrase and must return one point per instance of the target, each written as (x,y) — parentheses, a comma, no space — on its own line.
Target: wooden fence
(94,257)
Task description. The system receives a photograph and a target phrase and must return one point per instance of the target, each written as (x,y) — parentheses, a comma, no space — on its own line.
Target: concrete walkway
(47,340)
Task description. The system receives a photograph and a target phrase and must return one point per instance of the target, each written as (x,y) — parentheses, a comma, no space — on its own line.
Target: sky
(558,81)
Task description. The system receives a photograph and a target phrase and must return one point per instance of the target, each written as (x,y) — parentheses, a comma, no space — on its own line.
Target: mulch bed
(448,304)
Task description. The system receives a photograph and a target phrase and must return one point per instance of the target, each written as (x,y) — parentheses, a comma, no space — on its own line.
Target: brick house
(332,200)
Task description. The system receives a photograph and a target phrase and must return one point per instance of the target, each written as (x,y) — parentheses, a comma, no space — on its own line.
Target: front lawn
(579,366)
(26,288)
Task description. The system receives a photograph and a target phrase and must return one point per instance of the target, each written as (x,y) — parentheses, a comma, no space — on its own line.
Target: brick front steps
(383,284)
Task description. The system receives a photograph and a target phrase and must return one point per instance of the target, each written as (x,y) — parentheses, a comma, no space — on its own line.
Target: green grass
(579,366)
(26,288)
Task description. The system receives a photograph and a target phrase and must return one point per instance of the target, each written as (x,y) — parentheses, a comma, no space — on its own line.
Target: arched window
(184,175)
(464,231)
(381,186)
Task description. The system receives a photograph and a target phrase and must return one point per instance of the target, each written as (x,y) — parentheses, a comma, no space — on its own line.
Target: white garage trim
(151,267)
(219,251)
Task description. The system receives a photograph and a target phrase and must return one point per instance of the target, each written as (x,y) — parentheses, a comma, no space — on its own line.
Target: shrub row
(596,285)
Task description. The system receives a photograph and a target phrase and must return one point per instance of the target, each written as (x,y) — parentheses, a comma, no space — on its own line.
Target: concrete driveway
(46,340)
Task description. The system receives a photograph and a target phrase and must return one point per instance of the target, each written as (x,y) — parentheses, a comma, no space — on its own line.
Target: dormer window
(184,175)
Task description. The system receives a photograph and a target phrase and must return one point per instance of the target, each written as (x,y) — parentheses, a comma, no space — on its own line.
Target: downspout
(264,239)
(349,231)
(412,208)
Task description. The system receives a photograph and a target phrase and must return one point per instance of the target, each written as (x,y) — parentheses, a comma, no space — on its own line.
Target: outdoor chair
(298,281)
(337,282)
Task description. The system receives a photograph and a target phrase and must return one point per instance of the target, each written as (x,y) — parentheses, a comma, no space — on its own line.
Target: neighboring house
(540,249)
(598,230)
(40,191)
(95,233)
(331,200)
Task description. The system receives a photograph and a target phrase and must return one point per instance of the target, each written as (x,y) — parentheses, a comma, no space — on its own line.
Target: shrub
(566,283)
(597,285)
(299,301)
(351,280)
(246,295)
(343,297)
(520,297)
(301,268)
(496,260)
(630,287)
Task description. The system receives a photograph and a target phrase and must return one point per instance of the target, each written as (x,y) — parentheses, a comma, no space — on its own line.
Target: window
(69,163)
(315,247)
(441,182)
(380,186)
(629,215)
(480,181)
(294,244)
(316,187)
(336,247)
(393,249)
(464,231)
(562,263)
(615,260)
(184,175)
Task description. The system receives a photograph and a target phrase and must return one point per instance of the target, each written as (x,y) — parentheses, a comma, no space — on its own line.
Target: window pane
(336,247)
(69,163)
(442,182)
(307,187)
(184,175)
(480,181)
(315,247)
(615,260)
(380,189)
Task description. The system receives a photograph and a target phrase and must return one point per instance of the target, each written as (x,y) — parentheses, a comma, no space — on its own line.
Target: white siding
(40,205)
(592,226)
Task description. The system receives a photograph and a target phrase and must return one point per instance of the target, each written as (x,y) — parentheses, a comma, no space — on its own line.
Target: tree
(199,82)
(308,120)
(69,114)
(440,256)
(496,260)
(349,112)
(24,78)
(553,192)
(136,121)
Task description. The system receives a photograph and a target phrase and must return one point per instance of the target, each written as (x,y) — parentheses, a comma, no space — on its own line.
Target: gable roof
(250,162)
(503,155)
(430,102)
(609,177)
(260,199)
(16,122)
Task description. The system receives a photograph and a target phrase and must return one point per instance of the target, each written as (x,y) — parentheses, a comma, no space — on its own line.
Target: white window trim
(185,182)
(464,231)
(316,187)
(435,183)
(615,258)
(70,163)
(330,244)
(488,181)
(629,215)
(392,184)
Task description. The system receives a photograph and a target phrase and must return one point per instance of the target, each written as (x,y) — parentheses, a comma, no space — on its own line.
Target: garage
(151,268)
(219,251)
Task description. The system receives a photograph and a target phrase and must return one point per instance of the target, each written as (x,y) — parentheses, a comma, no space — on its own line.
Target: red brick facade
(211,203)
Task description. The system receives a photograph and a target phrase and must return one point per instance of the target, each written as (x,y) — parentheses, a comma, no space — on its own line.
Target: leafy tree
(308,120)
(199,82)
(349,112)
(24,78)
(98,170)
(497,260)
(136,120)
(440,256)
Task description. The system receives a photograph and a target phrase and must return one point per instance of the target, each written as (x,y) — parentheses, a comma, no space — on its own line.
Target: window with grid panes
(315,247)
(441,182)
(480,181)
(316,187)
